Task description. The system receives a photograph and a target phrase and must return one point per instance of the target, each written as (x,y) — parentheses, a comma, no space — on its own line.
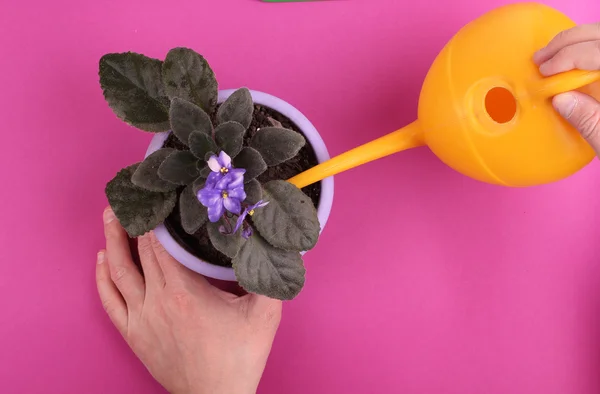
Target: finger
(123,271)
(170,268)
(582,56)
(153,274)
(109,295)
(583,112)
(581,33)
(174,272)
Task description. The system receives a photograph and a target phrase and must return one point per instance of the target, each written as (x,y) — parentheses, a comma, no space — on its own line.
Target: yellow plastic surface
(486,111)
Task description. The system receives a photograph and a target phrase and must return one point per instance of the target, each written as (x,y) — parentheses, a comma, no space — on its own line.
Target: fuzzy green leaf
(251,161)
(187,75)
(253,191)
(133,88)
(204,170)
(263,269)
(180,168)
(137,209)
(290,219)
(187,117)
(201,144)
(198,184)
(238,108)
(146,176)
(277,145)
(230,137)
(228,244)
(193,214)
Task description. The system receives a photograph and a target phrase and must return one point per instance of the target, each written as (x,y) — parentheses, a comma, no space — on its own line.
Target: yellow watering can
(486,111)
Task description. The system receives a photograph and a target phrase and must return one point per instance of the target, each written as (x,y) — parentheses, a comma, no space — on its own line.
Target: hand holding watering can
(576,48)
(486,107)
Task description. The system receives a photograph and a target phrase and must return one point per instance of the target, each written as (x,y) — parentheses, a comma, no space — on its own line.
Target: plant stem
(229,224)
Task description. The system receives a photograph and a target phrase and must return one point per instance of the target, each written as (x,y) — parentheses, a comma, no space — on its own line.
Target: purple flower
(220,167)
(221,163)
(247,232)
(225,191)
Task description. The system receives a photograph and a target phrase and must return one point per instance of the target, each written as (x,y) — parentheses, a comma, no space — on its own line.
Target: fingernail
(100,257)
(565,104)
(109,215)
(544,68)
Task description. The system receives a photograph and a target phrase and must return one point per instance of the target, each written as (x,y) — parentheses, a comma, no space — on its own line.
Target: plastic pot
(326,200)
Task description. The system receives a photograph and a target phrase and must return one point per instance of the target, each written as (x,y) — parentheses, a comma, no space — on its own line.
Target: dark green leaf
(187,117)
(193,214)
(201,144)
(198,184)
(263,269)
(133,88)
(230,137)
(238,108)
(253,191)
(276,144)
(180,167)
(228,244)
(204,170)
(187,75)
(290,219)
(146,176)
(251,161)
(137,209)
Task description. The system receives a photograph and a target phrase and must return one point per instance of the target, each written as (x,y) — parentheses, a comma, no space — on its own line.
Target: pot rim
(325,201)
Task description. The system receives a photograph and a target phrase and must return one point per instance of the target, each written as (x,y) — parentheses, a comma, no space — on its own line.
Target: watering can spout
(405,138)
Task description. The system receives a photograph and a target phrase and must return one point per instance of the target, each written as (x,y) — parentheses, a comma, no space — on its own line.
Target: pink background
(461,288)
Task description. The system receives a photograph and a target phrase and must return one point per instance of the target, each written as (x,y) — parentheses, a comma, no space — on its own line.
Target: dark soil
(199,244)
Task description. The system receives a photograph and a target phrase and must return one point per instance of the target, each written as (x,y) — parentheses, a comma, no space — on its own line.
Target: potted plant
(213,183)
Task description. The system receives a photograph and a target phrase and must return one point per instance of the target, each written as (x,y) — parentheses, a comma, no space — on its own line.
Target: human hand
(576,48)
(191,336)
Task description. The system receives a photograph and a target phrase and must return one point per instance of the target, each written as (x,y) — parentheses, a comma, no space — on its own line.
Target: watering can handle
(561,83)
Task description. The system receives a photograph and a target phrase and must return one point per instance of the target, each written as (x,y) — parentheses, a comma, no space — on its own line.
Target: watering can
(484,108)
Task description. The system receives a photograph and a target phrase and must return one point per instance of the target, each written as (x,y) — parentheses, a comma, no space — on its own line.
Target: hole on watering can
(501,105)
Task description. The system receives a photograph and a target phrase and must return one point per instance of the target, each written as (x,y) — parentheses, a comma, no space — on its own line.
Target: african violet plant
(213,178)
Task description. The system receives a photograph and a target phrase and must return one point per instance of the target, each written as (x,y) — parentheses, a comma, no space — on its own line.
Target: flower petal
(237,193)
(212,179)
(236,178)
(239,222)
(259,204)
(209,197)
(247,232)
(223,182)
(232,205)
(214,164)
(224,159)
(230,180)
(215,212)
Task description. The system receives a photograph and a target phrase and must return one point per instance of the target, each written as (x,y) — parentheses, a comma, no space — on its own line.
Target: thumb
(583,112)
